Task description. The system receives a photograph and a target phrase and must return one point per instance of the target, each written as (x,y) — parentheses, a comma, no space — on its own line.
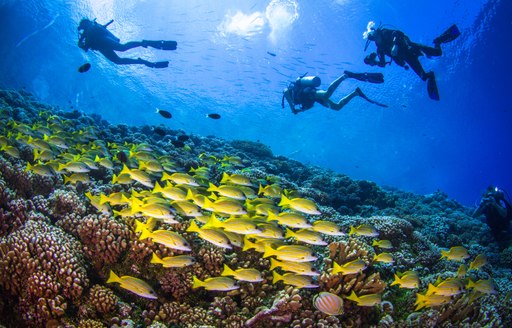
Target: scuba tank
(309,81)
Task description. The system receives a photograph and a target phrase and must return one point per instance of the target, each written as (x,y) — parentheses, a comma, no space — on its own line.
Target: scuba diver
(396,45)
(498,214)
(96,37)
(304,91)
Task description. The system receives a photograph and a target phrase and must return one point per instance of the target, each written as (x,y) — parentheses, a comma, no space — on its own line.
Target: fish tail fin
(261,189)
(289,233)
(444,254)
(396,281)
(471,284)
(139,226)
(225,178)
(247,244)
(196,283)
(212,187)
(67,179)
(336,268)
(227,271)
(104,199)
(274,264)
(113,278)
(276,277)
(375,242)
(352,231)
(269,251)
(193,227)
(284,201)
(144,233)
(430,290)
(156,259)
(353,297)
(115,178)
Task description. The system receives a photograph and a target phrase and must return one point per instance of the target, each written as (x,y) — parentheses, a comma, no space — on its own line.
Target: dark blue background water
(459,145)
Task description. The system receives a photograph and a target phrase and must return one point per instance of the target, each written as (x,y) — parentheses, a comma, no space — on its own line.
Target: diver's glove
(371,59)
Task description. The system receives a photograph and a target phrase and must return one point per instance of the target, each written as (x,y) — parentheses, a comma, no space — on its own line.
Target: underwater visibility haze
(183,194)
(235,58)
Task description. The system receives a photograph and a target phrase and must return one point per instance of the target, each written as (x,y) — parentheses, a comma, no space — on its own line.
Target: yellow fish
(178,261)
(186,208)
(483,286)
(293,253)
(236,225)
(478,262)
(430,300)
(95,201)
(149,225)
(234,238)
(167,238)
(384,244)
(327,228)
(11,150)
(227,191)
(409,281)
(328,303)
(121,179)
(272,190)
(289,219)
(365,300)
(77,177)
(157,211)
(225,206)
(138,175)
(215,284)
(306,236)
(133,285)
(352,267)
(236,179)
(151,166)
(448,287)
(213,236)
(302,268)
(456,253)
(170,192)
(105,162)
(363,230)
(293,279)
(462,270)
(300,204)
(180,179)
(40,169)
(75,167)
(384,258)
(249,275)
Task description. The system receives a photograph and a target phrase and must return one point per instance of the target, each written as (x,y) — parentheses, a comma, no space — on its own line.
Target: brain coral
(43,269)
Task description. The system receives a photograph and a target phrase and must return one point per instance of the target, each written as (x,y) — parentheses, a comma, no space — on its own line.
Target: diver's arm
(501,210)
(288,95)
(382,59)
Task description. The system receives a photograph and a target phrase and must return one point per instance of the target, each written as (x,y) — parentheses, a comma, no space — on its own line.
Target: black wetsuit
(498,224)
(406,51)
(303,96)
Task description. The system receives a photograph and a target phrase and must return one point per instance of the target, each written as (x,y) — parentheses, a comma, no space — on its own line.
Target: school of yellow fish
(235,212)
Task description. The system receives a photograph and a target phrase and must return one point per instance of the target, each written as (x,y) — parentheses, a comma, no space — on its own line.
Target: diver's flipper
(163,45)
(161,64)
(449,35)
(362,95)
(433,93)
(366,77)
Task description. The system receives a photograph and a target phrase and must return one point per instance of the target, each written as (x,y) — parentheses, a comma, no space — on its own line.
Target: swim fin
(366,77)
(161,64)
(449,35)
(163,45)
(433,92)
(365,97)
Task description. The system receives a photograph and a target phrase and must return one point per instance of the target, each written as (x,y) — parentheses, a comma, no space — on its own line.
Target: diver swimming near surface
(304,92)
(97,37)
(405,53)
(498,214)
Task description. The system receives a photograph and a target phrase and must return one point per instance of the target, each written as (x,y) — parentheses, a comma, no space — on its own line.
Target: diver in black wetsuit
(405,53)
(498,214)
(304,92)
(96,37)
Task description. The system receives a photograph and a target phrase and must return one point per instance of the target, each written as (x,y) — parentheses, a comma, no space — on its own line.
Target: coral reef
(58,244)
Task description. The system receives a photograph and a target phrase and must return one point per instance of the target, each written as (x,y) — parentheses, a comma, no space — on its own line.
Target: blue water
(459,145)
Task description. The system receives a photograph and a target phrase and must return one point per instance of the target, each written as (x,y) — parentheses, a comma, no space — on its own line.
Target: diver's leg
(128,45)
(430,51)
(415,64)
(345,100)
(334,85)
(113,57)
